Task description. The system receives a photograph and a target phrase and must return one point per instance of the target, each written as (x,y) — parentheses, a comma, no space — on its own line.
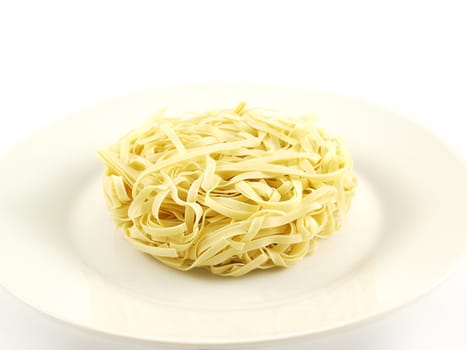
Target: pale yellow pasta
(228,190)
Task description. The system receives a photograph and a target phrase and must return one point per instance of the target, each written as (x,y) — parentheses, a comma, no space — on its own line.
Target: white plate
(60,254)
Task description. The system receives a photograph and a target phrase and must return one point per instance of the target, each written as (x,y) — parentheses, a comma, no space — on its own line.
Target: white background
(410,56)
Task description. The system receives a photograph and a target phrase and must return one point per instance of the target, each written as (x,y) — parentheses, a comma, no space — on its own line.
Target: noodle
(228,190)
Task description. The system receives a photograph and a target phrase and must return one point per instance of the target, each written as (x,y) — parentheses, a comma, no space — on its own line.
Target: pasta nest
(228,190)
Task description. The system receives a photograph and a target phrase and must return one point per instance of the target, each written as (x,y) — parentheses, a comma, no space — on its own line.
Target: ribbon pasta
(228,190)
